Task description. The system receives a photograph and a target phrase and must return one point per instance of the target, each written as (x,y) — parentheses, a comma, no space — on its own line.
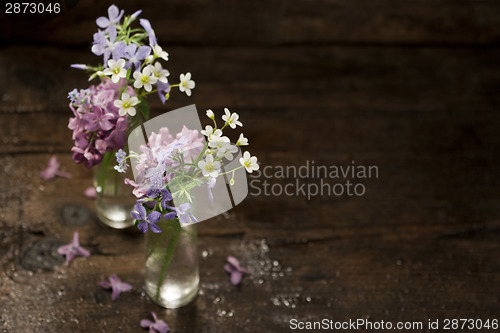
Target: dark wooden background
(409,86)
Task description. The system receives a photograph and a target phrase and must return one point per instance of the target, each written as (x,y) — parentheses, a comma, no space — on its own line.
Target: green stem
(116,183)
(168,257)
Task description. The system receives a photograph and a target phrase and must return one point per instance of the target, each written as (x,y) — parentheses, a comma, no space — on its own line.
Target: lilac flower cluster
(156,166)
(156,160)
(130,71)
(97,126)
(121,156)
(134,54)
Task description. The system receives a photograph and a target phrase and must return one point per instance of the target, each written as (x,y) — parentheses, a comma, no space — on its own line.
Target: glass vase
(114,200)
(172,264)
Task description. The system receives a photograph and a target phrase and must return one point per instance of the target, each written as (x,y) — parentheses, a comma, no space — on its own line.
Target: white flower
(219,142)
(186,83)
(210,133)
(209,167)
(149,59)
(207,131)
(116,70)
(231,119)
(126,105)
(159,53)
(223,146)
(145,79)
(210,114)
(242,141)
(228,154)
(160,73)
(249,162)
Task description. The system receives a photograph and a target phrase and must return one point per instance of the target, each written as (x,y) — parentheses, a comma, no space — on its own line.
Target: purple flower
(76,96)
(163,89)
(53,170)
(139,214)
(182,212)
(165,196)
(121,156)
(151,34)
(98,120)
(135,55)
(233,267)
(155,176)
(114,17)
(157,326)
(79,66)
(106,44)
(135,14)
(116,285)
(97,126)
(73,249)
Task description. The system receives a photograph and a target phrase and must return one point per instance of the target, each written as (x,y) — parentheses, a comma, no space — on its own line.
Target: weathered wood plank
(452,22)
(322,78)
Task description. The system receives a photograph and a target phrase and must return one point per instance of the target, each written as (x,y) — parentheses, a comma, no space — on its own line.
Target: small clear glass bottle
(114,200)
(172,276)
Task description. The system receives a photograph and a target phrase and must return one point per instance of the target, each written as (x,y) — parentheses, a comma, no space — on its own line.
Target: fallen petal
(90,192)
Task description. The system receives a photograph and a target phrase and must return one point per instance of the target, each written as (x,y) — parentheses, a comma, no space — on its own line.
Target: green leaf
(128,72)
(144,108)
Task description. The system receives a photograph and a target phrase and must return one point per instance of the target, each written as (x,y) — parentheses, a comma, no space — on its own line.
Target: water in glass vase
(172,264)
(114,200)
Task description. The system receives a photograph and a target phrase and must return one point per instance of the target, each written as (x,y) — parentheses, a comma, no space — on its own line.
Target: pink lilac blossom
(97,127)
(233,267)
(158,326)
(90,192)
(53,171)
(116,285)
(154,158)
(73,249)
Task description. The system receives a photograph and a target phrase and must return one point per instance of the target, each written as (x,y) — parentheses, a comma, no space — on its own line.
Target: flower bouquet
(105,113)
(180,179)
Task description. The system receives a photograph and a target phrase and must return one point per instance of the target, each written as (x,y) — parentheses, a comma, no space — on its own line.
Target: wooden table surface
(410,87)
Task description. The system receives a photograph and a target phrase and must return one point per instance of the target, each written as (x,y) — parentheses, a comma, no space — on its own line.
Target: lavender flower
(99,120)
(182,212)
(79,66)
(155,176)
(114,14)
(76,96)
(121,159)
(135,55)
(116,285)
(233,267)
(163,89)
(139,214)
(165,197)
(53,171)
(157,326)
(101,117)
(73,249)
(72,95)
(135,14)
(106,44)
(149,30)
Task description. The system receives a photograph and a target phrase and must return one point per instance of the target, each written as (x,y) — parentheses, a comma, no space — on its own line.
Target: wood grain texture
(277,22)
(411,87)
